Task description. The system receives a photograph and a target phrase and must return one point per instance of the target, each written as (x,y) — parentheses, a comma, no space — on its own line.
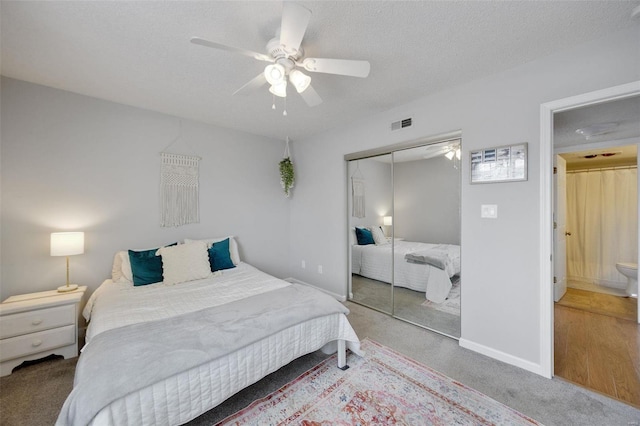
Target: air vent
(401,124)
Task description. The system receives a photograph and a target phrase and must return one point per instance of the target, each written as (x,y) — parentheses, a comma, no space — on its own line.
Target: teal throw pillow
(364,236)
(146,267)
(219,257)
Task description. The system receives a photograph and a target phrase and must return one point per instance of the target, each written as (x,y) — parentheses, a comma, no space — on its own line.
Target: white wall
(72,162)
(427,200)
(500,257)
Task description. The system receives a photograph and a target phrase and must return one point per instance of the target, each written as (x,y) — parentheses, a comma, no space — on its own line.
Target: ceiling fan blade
(295,19)
(255,83)
(249,53)
(311,97)
(338,66)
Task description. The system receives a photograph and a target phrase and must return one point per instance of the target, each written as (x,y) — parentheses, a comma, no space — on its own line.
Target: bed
(374,261)
(165,353)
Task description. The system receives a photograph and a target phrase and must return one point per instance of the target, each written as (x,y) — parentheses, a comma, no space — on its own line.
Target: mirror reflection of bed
(410,203)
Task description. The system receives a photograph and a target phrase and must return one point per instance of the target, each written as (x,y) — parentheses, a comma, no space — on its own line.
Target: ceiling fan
(286,55)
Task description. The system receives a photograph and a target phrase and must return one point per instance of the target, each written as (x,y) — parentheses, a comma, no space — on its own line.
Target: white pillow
(353,239)
(233,246)
(116,269)
(184,262)
(378,236)
(121,269)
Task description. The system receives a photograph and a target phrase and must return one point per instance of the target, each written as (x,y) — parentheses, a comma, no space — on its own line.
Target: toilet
(629,270)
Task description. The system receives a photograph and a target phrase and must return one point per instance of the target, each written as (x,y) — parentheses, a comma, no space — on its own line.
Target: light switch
(489,211)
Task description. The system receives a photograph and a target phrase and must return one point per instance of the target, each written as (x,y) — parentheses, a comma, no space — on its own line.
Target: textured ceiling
(624,113)
(139,54)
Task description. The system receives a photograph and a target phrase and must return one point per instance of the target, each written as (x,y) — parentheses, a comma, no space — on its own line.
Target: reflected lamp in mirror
(67,244)
(387,221)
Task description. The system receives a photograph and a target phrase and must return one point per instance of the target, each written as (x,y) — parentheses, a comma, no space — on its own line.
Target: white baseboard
(337,296)
(501,356)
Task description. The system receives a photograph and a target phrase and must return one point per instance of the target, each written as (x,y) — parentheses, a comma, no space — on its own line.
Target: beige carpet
(34,395)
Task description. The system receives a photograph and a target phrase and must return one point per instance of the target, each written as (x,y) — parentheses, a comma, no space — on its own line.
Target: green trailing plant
(287,176)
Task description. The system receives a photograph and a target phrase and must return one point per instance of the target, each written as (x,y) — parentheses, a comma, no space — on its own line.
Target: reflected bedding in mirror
(374,261)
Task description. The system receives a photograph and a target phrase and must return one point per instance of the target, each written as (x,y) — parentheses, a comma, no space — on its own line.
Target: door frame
(547,111)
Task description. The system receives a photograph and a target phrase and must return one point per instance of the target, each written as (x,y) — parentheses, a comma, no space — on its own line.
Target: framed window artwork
(499,164)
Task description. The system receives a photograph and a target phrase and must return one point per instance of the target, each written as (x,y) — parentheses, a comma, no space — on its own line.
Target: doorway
(548,111)
(594,319)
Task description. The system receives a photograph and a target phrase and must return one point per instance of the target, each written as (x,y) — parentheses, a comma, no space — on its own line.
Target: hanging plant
(287,177)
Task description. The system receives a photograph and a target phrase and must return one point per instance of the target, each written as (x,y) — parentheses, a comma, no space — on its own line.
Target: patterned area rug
(383,388)
(452,304)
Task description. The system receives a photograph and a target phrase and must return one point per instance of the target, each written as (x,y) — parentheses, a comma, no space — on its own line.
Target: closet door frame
(390,150)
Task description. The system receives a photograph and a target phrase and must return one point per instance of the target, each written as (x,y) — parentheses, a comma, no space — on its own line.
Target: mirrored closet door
(410,267)
(370,201)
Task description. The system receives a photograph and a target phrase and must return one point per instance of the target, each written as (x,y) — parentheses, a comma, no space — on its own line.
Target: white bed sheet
(374,261)
(185,396)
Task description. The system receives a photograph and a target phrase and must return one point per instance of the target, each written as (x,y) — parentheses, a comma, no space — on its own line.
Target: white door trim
(546,193)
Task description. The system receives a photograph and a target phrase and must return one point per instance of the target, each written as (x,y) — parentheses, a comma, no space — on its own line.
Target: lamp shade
(299,80)
(67,243)
(387,220)
(279,89)
(275,74)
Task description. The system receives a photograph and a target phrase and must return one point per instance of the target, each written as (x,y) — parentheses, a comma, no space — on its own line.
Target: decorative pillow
(185,262)
(364,236)
(233,246)
(378,236)
(146,267)
(219,257)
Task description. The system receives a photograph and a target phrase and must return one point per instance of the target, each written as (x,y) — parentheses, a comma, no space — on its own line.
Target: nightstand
(35,325)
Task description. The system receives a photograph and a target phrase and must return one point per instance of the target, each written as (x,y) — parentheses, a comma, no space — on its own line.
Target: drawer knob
(36,321)
(36,343)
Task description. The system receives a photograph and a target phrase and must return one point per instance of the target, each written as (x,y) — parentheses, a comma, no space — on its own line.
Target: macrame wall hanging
(357,192)
(179,188)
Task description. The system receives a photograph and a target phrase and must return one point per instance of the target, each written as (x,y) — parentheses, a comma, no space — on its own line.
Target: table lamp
(67,244)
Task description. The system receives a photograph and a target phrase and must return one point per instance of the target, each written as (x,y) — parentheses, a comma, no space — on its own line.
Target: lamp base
(67,288)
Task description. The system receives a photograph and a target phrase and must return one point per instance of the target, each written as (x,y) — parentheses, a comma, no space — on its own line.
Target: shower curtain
(602,216)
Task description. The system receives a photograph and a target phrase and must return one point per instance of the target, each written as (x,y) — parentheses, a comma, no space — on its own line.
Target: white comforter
(115,305)
(374,261)
(184,396)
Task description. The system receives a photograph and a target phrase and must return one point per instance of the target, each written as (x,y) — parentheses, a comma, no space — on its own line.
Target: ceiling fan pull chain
(273,105)
(284,112)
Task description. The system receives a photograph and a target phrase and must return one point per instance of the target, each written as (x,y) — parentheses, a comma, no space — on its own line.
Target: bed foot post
(342,355)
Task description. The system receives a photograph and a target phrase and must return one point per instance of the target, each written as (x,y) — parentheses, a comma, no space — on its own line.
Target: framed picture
(499,164)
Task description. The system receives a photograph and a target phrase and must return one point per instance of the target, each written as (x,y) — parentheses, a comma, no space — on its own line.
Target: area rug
(381,388)
(452,304)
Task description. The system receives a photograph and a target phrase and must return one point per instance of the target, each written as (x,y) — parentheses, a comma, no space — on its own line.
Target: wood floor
(599,303)
(597,343)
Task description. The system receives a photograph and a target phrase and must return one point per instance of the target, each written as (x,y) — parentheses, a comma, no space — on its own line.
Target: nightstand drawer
(37,320)
(37,342)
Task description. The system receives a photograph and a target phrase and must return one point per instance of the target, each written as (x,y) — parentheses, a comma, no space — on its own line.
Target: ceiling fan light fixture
(300,80)
(279,89)
(275,74)
(596,129)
